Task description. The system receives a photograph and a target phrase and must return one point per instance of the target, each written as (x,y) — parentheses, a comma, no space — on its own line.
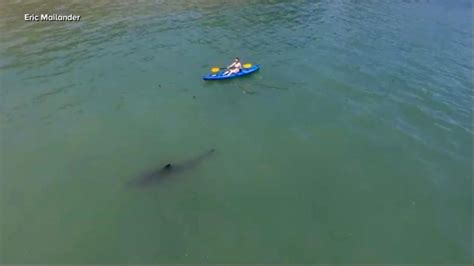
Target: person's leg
(233,71)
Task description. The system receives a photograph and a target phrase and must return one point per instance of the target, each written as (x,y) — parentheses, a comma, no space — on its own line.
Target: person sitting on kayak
(233,68)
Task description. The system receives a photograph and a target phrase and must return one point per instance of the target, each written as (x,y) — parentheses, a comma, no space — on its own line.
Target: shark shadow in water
(168,170)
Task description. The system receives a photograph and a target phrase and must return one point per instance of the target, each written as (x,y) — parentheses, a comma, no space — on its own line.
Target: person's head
(236,59)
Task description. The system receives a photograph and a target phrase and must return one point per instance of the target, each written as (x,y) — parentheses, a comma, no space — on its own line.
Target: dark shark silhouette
(169,169)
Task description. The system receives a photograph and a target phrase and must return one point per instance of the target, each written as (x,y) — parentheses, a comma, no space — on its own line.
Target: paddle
(216,69)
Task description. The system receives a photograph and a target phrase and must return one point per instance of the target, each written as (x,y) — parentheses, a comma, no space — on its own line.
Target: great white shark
(169,170)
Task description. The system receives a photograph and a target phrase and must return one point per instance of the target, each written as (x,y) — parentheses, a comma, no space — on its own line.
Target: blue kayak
(220,75)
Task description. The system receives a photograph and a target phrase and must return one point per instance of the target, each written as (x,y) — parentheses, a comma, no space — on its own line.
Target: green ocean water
(352,144)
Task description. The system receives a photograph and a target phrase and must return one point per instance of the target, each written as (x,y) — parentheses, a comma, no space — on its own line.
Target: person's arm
(231,65)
